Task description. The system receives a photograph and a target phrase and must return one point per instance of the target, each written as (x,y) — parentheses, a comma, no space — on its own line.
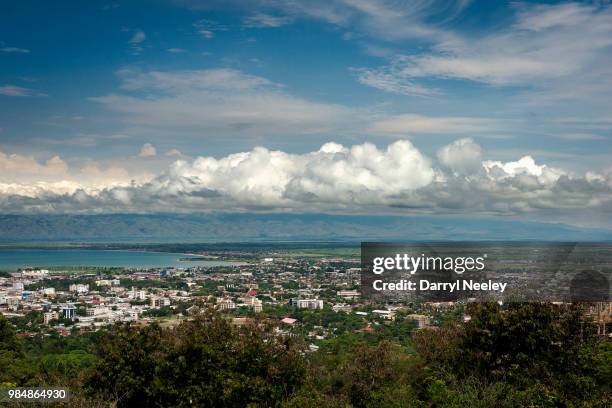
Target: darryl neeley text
(420,272)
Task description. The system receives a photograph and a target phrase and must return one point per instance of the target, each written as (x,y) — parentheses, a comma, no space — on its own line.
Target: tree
(8,338)
(204,362)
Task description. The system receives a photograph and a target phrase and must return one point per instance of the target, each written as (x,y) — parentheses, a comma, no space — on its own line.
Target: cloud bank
(357,179)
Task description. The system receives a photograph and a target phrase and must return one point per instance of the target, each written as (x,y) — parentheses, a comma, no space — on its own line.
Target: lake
(12,259)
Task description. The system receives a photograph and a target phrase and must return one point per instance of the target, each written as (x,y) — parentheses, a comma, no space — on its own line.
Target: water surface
(12,259)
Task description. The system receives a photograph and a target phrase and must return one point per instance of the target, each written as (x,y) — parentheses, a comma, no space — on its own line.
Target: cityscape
(306,204)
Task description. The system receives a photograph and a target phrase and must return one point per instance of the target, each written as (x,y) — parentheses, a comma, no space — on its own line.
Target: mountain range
(252,227)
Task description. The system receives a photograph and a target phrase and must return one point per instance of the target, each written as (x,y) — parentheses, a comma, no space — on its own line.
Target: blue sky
(101,93)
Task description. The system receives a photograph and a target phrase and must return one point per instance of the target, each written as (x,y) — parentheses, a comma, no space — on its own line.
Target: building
(78,288)
(256,304)
(108,282)
(226,304)
(306,303)
(159,302)
(385,314)
(68,311)
(348,294)
(48,292)
(97,311)
(48,316)
(137,294)
(35,273)
(289,320)
(341,307)
(421,320)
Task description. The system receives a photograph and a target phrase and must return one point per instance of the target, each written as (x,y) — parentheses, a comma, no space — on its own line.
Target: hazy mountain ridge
(263,227)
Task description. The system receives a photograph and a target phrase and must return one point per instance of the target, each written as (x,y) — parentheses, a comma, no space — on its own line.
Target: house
(79,288)
(226,304)
(341,307)
(348,294)
(289,321)
(158,302)
(421,320)
(385,314)
(48,316)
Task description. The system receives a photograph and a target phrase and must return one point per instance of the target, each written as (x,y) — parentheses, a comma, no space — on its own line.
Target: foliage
(205,362)
(515,355)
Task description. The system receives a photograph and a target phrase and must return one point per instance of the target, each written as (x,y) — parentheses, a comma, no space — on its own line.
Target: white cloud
(208,28)
(578,136)
(335,178)
(138,37)
(263,20)
(560,51)
(219,102)
(391,82)
(174,152)
(463,156)
(147,150)
(15,50)
(388,19)
(83,140)
(15,167)
(414,124)
(12,90)
(53,183)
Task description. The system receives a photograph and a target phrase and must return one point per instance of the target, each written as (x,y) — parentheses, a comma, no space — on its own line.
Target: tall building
(68,311)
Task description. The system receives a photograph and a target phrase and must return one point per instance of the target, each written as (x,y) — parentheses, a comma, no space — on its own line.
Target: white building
(68,311)
(341,307)
(35,273)
(138,294)
(48,291)
(307,303)
(78,288)
(385,314)
(348,294)
(226,304)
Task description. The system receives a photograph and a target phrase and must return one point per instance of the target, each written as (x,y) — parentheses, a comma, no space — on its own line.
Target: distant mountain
(239,227)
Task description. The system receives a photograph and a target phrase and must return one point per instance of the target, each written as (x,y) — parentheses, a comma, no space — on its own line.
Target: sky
(463,107)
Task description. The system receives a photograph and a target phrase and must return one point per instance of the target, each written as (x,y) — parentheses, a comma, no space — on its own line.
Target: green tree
(204,362)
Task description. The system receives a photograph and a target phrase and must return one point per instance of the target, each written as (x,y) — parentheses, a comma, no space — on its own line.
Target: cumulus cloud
(174,152)
(19,167)
(27,177)
(335,178)
(147,150)
(463,156)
